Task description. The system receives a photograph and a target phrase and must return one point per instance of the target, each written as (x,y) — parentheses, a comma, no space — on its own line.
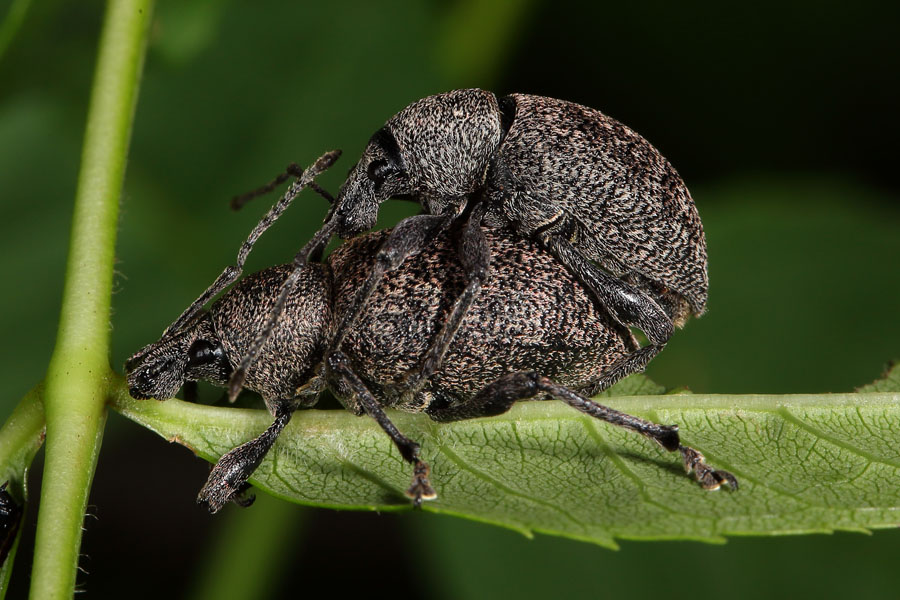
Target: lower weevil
(523,336)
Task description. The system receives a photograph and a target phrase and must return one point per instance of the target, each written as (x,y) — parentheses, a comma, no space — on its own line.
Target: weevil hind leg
(626,304)
(499,396)
(665,435)
(420,489)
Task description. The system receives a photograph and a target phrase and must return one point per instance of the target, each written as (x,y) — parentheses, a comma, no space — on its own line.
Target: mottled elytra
(590,191)
(532,331)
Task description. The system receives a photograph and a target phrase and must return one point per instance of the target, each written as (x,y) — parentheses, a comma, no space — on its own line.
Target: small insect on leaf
(10,520)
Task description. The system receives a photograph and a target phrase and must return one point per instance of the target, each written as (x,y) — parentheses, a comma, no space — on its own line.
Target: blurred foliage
(781,117)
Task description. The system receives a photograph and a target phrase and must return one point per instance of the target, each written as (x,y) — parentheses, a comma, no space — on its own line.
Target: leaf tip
(888,382)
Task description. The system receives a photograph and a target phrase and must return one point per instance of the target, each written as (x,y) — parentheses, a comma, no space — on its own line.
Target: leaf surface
(806,463)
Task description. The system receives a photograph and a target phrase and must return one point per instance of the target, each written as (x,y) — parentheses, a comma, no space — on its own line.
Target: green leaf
(806,463)
(20,439)
(890,382)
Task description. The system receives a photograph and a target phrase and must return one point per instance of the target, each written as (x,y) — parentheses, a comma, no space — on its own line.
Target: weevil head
(378,175)
(436,151)
(212,346)
(160,369)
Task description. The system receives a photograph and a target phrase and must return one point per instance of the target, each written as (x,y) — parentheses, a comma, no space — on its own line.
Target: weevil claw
(421,489)
(709,478)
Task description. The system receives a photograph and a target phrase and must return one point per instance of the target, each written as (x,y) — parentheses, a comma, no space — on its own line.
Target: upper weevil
(532,331)
(589,190)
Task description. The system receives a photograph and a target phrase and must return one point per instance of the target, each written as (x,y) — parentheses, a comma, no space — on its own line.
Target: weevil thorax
(436,150)
(288,359)
(160,369)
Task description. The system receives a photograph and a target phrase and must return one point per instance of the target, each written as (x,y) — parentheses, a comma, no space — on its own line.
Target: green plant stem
(77,378)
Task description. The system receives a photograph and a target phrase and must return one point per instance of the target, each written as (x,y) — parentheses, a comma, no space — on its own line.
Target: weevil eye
(132,363)
(202,353)
(379,170)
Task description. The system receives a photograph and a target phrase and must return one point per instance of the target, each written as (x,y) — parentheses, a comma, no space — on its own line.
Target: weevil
(590,191)
(10,520)
(532,331)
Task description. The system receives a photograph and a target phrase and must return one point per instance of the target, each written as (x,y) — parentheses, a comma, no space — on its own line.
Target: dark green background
(781,117)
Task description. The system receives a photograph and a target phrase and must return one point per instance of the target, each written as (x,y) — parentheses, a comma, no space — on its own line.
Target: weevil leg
(232,272)
(409,237)
(497,397)
(315,245)
(553,229)
(475,255)
(421,488)
(627,305)
(228,479)
(665,435)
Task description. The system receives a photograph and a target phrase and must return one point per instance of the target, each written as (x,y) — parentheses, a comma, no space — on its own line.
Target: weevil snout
(156,371)
(160,369)
(356,207)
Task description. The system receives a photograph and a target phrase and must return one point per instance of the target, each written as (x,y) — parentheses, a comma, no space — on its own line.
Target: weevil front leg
(499,396)
(475,256)
(228,479)
(409,237)
(420,489)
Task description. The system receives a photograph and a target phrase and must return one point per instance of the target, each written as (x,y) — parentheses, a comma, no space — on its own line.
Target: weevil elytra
(590,191)
(532,331)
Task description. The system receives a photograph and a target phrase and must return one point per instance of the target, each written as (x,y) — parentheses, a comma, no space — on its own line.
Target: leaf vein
(276,471)
(788,416)
(591,427)
(453,457)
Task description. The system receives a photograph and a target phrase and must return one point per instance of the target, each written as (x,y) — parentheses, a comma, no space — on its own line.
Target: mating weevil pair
(549,230)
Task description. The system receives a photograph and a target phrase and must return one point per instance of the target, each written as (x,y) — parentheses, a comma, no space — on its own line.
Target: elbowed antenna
(231,273)
(292,170)
(315,246)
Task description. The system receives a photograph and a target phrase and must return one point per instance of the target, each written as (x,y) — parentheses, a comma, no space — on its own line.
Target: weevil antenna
(292,170)
(232,272)
(314,246)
